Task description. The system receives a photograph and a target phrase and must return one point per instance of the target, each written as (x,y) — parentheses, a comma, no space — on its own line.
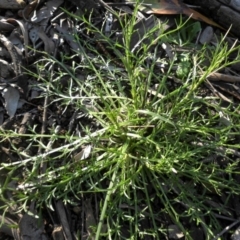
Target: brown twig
(223,77)
(16,59)
(226,229)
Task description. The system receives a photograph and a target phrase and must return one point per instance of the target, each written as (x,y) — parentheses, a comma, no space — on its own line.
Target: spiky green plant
(151,150)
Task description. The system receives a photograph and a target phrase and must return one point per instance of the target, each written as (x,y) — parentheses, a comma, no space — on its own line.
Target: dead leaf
(57,233)
(198,16)
(13,4)
(63,219)
(24,32)
(5,69)
(67,36)
(6,227)
(164,6)
(90,219)
(11,96)
(1,115)
(174,7)
(28,9)
(33,35)
(41,17)
(15,55)
(31,227)
(15,39)
(206,35)
(85,153)
(174,232)
(5,26)
(47,11)
(49,45)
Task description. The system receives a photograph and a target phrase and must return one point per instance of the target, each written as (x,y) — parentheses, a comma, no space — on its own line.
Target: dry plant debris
(32,30)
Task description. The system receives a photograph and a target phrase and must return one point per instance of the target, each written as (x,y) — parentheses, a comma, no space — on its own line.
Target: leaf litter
(51,30)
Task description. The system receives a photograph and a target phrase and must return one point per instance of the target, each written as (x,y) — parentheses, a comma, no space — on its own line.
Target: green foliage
(184,65)
(148,148)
